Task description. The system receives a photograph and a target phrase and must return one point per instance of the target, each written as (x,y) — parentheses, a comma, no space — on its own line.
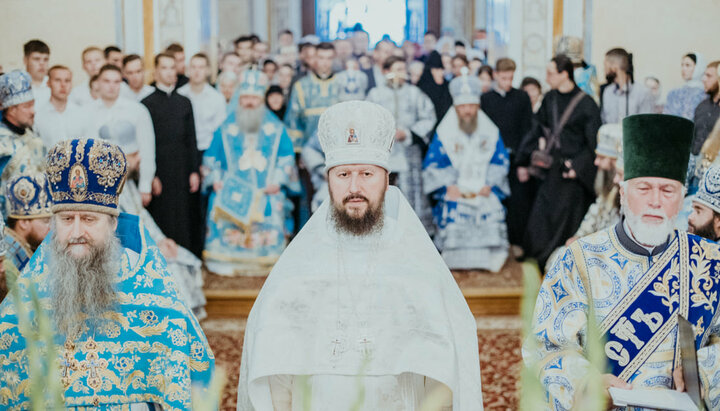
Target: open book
(662,399)
(665,399)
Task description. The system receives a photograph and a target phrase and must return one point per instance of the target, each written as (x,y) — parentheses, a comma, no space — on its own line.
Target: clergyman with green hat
(637,276)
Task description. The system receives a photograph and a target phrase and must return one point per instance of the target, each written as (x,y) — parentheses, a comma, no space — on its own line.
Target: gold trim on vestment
(56,208)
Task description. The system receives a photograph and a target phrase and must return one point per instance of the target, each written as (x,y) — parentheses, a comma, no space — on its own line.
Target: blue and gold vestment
(19,154)
(19,250)
(636,295)
(246,227)
(309,98)
(151,349)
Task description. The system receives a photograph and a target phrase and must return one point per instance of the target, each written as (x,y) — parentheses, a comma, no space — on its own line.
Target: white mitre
(356,132)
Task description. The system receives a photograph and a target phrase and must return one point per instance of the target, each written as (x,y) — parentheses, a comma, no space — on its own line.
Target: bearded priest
(124,338)
(360,312)
(638,276)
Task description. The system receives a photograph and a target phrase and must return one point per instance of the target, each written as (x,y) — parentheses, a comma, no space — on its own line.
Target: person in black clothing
(511,111)
(432,82)
(708,111)
(567,189)
(275,101)
(173,207)
(178,52)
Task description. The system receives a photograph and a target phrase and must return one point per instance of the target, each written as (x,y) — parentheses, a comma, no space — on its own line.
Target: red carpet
(498,339)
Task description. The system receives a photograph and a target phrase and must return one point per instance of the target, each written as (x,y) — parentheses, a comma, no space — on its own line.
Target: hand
(194,182)
(217,186)
(146,198)
(272,189)
(156,187)
(453,193)
(570,241)
(168,248)
(609,380)
(679,380)
(485,191)
(523,174)
(400,135)
(570,174)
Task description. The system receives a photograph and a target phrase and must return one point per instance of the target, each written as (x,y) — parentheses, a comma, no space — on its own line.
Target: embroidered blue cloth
(247,227)
(151,349)
(636,298)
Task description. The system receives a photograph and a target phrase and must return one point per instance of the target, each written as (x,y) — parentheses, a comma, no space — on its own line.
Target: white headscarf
(700,66)
(415,315)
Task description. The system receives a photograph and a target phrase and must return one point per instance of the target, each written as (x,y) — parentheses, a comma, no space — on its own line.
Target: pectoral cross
(365,346)
(69,363)
(337,347)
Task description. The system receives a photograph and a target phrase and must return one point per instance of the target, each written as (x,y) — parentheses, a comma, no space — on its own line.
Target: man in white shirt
(93,59)
(208,104)
(36,55)
(133,71)
(60,119)
(110,108)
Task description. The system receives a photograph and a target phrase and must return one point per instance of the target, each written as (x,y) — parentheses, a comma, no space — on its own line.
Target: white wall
(657,32)
(67,26)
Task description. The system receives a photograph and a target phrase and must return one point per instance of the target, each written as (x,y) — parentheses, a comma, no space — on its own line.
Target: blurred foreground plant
(532,393)
(42,356)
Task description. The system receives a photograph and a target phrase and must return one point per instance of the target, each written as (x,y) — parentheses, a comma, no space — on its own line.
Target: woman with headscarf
(433,83)
(275,101)
(683,101)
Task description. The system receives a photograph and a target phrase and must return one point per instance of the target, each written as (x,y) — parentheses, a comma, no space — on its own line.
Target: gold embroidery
(107,162)
(702,283)
(58,160)
(106,199)
(80,151)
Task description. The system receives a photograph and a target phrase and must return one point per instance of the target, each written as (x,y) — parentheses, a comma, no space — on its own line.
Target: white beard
(651,235)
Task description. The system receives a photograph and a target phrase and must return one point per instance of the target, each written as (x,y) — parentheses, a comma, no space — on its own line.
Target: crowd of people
(224,174)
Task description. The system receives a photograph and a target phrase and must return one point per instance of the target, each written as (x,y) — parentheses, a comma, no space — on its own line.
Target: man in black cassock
(511,111)
(174,207)
(567,190)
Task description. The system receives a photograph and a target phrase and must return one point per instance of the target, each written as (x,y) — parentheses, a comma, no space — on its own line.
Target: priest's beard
(651,235)
(34,240)
(706,230)
(250,119)
(370,222)
(468,125)
(83,287)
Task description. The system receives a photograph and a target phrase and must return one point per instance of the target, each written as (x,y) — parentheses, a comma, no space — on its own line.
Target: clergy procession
(344,221)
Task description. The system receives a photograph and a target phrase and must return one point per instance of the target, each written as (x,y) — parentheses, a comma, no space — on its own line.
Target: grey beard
(468,126)
(249,120)
(83,287)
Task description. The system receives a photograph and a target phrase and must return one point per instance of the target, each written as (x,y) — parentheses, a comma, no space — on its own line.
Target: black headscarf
(276,89)
(439,93)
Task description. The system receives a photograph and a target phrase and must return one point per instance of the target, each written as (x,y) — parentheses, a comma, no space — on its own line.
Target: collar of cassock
(633,246)
(15,129)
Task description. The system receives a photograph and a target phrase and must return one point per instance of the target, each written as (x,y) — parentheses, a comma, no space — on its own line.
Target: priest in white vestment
(360,311)
(466,172)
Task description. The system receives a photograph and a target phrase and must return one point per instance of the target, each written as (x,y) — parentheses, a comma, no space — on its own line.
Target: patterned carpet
(498,339)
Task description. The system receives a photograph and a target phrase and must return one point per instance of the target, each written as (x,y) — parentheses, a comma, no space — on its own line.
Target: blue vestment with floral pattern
(151,349)
(637,295)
